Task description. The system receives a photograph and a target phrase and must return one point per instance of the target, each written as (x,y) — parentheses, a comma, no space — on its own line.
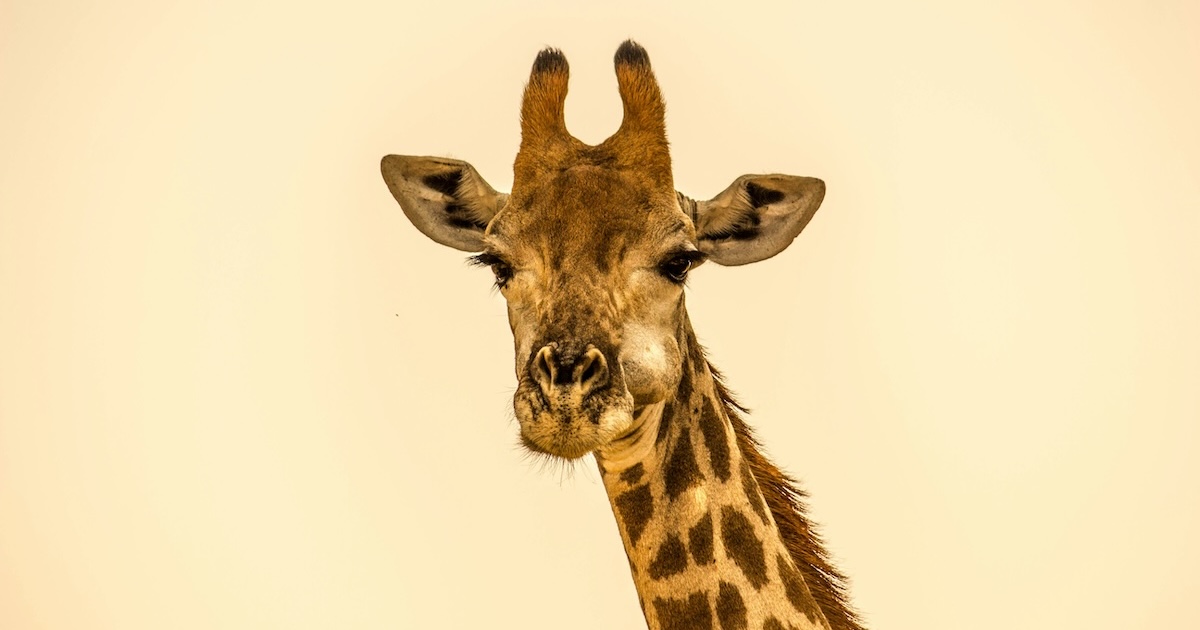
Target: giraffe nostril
(593,371)
(589,371)
(542,368)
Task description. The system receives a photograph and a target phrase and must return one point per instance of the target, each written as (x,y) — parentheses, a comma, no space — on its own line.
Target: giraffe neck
(704,549)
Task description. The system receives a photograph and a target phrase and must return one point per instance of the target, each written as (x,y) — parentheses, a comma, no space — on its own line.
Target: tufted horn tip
(550,60)
(630,53)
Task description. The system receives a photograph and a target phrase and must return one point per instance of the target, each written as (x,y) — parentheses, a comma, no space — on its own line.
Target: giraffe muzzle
(573,400)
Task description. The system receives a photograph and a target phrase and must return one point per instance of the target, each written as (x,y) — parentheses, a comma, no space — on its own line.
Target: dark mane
(789,507)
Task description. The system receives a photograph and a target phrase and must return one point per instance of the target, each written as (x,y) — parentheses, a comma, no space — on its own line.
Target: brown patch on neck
(787,503)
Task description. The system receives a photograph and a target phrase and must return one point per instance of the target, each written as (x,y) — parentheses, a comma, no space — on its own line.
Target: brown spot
(692,613)
(743,546)
(797,591)
(695,351)
(700,541)
(731,610)
(774,624)
(753,495)
(633,474)
(684,392)
(635,507)
(664,424)
(671,558)
(712,426)
(683,395)
(681,471)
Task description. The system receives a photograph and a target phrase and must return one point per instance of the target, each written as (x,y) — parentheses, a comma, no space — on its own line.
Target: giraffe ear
(447,200)
(757,217)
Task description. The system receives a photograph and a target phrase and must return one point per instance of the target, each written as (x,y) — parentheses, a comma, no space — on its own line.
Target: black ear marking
(550,60)
(458,215)
(445,183)
(756,217)
(461,216)
(760,196)
(631,53)
(748,225)
(746,228)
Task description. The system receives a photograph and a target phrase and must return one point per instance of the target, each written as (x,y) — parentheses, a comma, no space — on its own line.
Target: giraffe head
(591,250)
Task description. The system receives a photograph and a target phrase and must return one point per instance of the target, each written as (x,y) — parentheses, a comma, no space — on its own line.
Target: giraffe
(591,251)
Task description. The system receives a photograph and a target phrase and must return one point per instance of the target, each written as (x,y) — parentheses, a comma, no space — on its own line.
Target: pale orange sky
(232,391)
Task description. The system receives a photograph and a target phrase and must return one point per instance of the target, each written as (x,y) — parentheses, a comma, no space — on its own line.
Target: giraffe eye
(503,273)
(501,269)
(676,268)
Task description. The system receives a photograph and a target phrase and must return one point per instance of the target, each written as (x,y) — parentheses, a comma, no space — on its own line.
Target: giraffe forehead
(590,215)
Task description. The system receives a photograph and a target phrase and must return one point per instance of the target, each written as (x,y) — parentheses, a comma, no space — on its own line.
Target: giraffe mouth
(569,426)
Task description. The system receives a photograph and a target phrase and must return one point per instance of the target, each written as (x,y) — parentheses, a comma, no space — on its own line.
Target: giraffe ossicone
(591,251)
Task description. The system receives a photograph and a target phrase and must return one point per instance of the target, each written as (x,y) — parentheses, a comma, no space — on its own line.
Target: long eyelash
(484,259)
(694,256)
(487,259)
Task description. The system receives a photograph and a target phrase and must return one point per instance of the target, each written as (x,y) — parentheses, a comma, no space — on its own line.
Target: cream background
(239,390)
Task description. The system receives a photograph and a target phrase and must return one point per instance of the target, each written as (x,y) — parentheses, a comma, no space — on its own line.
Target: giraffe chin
(570,432)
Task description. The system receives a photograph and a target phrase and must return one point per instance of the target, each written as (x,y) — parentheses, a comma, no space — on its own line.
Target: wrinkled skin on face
(604,277)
